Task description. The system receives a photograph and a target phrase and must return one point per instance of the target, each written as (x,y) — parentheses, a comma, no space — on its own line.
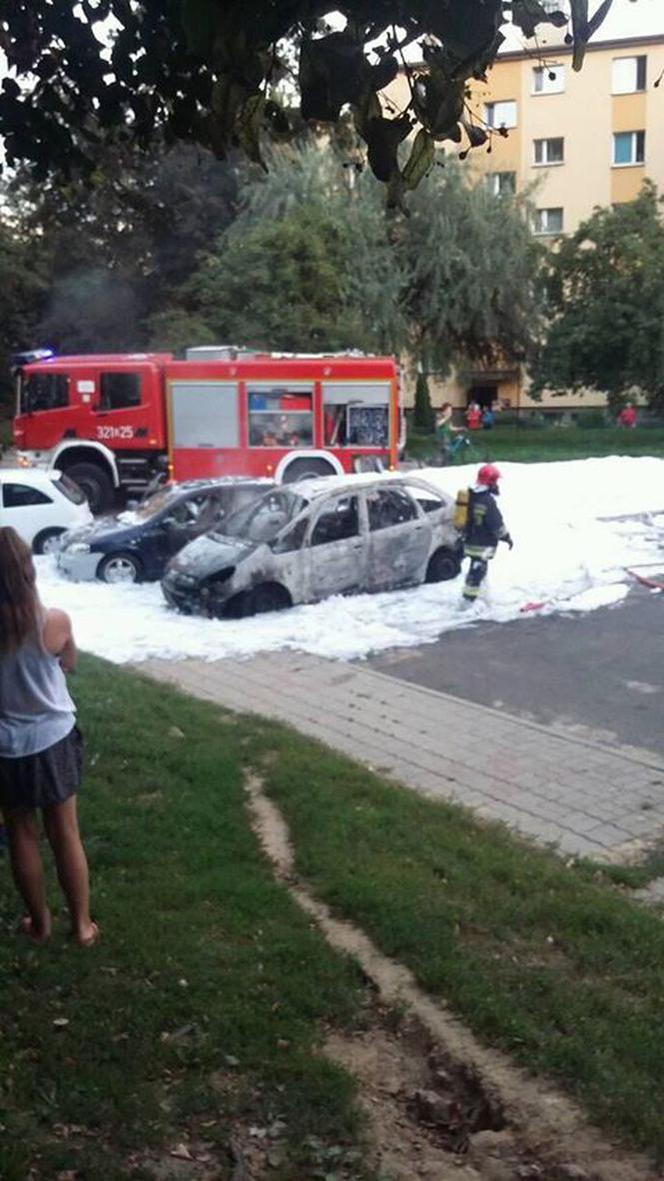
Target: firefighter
(484,529)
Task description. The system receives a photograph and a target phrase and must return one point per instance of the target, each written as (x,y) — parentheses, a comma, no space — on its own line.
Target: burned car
(320,537)
(136,545)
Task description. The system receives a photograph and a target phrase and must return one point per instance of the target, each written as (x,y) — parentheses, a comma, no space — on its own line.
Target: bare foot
(36,934)
(88,936)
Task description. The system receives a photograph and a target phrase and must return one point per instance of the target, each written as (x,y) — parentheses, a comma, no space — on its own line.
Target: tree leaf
(580,30)
(420,160)
(333,71)
(528,14)
(383,139)
(439,104)
(249,128)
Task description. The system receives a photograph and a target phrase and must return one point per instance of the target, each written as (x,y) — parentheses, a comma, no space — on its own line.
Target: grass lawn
(545,960)
(207,997)
(540,444)
(204,1006)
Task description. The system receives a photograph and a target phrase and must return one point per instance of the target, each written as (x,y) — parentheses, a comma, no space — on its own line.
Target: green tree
(209,71)
(117,246)
(22,294)
(423,416)
(307,266)
(312,264)
(606,304)
(473,291)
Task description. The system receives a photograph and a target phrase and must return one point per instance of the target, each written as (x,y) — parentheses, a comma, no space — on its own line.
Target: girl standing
(40,746)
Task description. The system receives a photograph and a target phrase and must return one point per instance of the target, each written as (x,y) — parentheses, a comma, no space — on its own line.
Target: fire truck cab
(99,418)
(113,421)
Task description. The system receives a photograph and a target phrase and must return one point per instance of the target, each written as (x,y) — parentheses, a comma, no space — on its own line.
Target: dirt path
(439,1104)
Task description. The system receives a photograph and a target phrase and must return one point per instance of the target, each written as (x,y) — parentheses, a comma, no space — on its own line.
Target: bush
(591,419)
(424,419)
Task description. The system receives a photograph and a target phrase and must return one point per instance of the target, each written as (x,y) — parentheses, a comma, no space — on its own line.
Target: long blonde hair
(18,592)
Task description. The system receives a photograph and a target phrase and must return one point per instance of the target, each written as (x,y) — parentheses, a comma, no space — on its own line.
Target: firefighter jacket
(485,526)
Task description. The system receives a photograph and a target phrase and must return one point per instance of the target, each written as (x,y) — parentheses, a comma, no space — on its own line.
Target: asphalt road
(599,674)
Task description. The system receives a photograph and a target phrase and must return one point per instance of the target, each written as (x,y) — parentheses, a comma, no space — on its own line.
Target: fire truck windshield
(43,391)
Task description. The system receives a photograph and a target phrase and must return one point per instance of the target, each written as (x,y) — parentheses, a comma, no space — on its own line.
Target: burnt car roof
(312,489)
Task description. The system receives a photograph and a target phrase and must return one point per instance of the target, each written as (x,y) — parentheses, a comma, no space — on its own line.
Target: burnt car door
(337,550)
(399,539)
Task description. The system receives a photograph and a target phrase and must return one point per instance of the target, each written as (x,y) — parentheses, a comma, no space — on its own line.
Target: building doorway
(483,395)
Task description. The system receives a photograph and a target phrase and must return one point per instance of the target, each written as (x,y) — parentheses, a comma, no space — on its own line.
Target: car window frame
(338,494)
(40,504)
(411,489)
(386,486)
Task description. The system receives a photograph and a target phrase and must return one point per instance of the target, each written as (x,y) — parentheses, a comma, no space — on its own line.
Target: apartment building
(574,141)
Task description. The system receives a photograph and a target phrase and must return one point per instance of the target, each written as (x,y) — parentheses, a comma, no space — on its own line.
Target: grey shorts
(44,779)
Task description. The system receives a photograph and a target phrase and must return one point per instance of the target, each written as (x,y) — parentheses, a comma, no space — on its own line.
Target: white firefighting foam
(567,556)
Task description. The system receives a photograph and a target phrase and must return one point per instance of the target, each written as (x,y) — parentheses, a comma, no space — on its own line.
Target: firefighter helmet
(489,475)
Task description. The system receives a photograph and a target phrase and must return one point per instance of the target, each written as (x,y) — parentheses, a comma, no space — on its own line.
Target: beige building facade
(575,141)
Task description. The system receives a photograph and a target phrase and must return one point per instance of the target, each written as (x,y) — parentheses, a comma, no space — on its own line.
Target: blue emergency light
(29,357)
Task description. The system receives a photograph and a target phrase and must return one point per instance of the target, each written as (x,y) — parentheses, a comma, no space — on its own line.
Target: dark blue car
(136,545)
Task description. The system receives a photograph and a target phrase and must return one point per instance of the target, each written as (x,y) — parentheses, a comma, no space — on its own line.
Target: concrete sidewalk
(587,799)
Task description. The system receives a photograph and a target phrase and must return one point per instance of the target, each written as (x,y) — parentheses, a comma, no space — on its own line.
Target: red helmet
(488,475)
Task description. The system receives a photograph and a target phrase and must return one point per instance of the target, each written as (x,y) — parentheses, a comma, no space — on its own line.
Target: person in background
(627,416)
(484,529)
(444,428)
(488,418)
(40,746)
(473,416)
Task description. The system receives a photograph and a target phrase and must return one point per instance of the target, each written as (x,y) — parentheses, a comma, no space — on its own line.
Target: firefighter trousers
(480,557)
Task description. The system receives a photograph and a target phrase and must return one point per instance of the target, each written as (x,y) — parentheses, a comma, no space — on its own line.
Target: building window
(629,74)
(501,184)
(629,147)
(548,221)
(550,151)
(502,114)
(548,79)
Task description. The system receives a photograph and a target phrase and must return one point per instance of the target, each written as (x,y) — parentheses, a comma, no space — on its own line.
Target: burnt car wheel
(267,597)
(119,568)
(443,565)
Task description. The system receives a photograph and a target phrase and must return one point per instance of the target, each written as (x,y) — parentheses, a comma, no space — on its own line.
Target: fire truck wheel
(119,568)
(307,469)
(47,541)
(443,565)
(95,483)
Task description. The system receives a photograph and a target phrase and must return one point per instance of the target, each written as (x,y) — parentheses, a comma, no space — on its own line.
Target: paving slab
(547,784)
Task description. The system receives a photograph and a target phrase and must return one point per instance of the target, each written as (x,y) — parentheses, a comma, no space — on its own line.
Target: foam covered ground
(577,527)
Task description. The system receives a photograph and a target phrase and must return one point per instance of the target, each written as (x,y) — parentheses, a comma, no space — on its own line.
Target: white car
(41,506)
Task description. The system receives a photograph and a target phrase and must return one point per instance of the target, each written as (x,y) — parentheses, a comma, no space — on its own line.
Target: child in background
(473,416)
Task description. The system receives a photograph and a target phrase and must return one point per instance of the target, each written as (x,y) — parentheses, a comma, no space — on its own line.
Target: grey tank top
(36,710)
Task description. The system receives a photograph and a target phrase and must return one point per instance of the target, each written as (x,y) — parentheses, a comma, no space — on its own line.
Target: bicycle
(458,449)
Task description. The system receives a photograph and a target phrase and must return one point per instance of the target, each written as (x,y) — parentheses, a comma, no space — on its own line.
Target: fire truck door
(119,417)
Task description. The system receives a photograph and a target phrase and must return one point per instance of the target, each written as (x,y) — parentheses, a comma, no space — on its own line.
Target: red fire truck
(112,422)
